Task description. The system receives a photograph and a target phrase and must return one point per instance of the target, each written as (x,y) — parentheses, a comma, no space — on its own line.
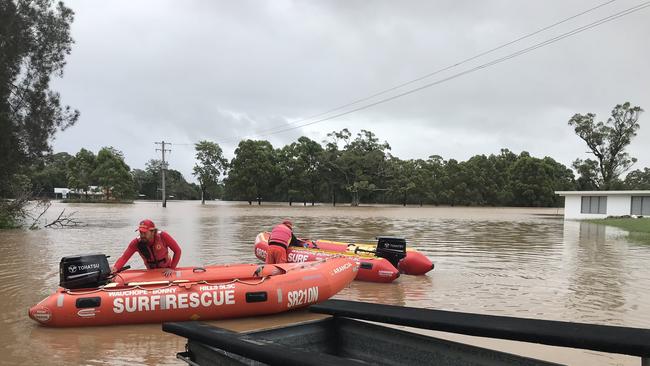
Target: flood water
(499,261)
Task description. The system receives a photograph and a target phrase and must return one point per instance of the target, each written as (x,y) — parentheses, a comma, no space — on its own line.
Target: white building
(61,192)
(600,204)
(93,191)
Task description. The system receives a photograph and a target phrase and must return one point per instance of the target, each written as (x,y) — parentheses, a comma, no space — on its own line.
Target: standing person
(153,246)
(281,238)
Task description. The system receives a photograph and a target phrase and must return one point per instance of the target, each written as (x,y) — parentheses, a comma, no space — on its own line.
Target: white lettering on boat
(217,287)
(86,313)
(168,290)
(296,258)
(127,293)
(386,273)
(43,315)
(173,301)
(301,297)
(261,253)
(342,268)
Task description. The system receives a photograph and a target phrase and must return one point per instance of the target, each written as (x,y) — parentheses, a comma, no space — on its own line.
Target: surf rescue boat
(89,295)
(412,262)
(394,250)
(371,267)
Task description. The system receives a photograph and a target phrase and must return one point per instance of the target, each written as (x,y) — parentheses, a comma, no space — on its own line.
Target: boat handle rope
(138,287)
(236,280)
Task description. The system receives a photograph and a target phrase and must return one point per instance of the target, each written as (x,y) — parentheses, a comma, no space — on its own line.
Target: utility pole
(162,168)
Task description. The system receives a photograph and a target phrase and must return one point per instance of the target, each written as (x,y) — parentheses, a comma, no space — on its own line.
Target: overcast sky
(184,71)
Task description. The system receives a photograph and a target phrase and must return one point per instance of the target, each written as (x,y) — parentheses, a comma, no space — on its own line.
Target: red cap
(146,225)
(288,224)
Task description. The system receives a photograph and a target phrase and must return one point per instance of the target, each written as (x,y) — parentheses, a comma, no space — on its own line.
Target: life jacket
(280,235)
(154,255)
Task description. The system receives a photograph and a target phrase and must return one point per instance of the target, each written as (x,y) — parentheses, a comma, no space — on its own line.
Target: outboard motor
(84,271)
(391,248)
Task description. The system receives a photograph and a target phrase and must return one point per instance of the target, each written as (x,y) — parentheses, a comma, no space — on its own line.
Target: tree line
(343,169)
(362,169)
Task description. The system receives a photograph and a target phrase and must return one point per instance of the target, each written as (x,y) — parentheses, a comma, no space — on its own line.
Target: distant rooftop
(601,193)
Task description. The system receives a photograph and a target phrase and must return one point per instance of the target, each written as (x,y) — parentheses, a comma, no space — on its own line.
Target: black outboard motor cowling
(84,271)
(391,248)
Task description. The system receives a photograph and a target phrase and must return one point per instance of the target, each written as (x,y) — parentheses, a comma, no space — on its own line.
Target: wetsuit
(154,255)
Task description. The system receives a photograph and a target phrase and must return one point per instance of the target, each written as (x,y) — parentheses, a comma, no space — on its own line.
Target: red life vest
(154,255)
(280,234)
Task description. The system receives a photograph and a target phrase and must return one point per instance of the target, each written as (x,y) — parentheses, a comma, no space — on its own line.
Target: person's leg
(282,256)
(269,255)
(272,254)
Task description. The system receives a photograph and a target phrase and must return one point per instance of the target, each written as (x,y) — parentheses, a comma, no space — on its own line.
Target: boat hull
(213,292)
(415,263)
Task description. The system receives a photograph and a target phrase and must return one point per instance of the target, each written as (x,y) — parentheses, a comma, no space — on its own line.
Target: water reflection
(597,276)
(123,345)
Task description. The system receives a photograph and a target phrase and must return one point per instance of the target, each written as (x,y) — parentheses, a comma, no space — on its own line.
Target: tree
(113,175)
(434,177)
(142,181)
(484,180)
(402,176)
(210,167)
(290,173)
(50,172)
(80,171)
(253,172)
(301,163)
(34,41)
(534,181)
(587,174)
(608,140)
(178,188)
(364,163)
(148,183)
(456,190)
(638,179)
(335,176)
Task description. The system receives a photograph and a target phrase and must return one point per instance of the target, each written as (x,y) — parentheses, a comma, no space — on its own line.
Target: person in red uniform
(153,245)
(281,238)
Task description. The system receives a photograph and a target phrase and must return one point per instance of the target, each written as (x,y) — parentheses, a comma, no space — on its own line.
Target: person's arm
(173,245)
(295,242)
(130,250)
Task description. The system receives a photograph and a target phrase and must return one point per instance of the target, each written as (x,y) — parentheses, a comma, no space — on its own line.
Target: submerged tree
(607,141)
(253,171)
(80,171)
(211,164)
(113,174)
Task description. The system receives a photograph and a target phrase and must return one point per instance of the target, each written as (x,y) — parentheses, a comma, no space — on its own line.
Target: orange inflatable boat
(90,296)
(371,267)
(407,260)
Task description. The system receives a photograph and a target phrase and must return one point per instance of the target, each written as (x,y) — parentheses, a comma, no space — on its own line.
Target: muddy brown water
(499,261)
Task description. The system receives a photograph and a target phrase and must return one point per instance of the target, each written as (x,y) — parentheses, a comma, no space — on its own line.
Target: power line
(482,66)
(382,92)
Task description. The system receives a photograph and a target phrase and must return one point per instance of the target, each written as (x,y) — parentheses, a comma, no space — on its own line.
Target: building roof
(602,193)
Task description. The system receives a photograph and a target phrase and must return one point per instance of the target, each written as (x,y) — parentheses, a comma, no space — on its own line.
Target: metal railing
(603,338)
